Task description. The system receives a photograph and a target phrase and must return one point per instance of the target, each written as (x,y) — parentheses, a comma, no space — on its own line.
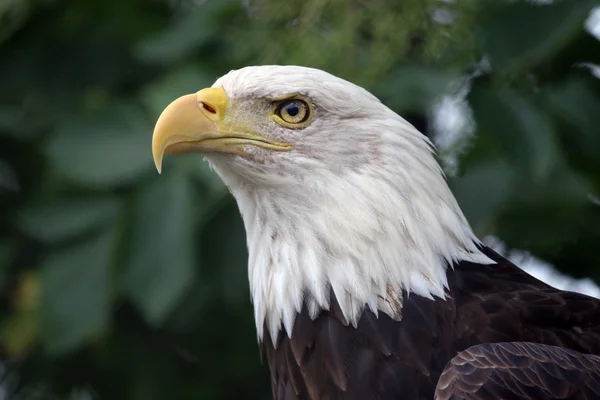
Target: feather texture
(358,206)
(500,333)
(520,370)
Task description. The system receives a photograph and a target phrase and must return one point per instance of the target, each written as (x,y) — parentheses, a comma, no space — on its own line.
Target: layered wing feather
(379,359)
(520,370)
(486,307)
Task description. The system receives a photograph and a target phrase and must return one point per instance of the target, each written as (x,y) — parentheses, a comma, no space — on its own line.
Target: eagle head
(281,126)
(339,194)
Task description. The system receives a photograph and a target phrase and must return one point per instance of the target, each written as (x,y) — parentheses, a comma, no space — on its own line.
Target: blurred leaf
(7,254)
(566,190)
(54,222)
(187,34)
(179,82)
(524,34)
(19,333)
(161,267)
(28,292)
(224,233)
(517,127)
(583,49)
(76,293)
(20,330)
(415,88)
(9,119)
(203,173)
(12,15)
(106,148)
(481,192)
(180,39)
(26,121)
(8,177)
(575,103)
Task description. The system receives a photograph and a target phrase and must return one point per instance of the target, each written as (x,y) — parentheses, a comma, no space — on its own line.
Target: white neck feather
(369,233)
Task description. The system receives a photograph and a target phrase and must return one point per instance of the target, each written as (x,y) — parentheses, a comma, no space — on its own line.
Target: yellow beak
(194,123)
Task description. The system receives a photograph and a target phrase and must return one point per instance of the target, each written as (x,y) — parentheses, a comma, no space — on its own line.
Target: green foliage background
(120,284)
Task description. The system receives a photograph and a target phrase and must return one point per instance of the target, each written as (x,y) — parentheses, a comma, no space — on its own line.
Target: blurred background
(119,284)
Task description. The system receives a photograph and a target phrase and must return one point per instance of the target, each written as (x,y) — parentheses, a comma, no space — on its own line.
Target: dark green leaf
(566,190)
(415,88)
(76,293)
(7,253)
(583,49)
(8,178)
(179,82)
(575,102)
(54,222)
(178,40)
(577,106)
(9,119)
(524,34)
(224,233)
(191,31)
(107,148)
(545,216)
(161,266)
(201,171)
(482,191)
(518,128)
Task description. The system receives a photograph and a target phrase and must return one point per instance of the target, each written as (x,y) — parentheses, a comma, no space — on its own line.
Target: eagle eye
(293,113)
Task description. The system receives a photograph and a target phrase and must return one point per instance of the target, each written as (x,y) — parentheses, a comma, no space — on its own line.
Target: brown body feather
(500,333)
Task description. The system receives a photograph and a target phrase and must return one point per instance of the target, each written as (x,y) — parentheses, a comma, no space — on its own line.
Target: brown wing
(520,370)
(380,359)
(501,303)
(384,359)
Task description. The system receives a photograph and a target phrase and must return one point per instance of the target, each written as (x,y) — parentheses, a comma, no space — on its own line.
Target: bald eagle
(366,279)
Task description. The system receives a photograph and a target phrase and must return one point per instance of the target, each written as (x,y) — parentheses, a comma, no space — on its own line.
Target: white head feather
(359,205)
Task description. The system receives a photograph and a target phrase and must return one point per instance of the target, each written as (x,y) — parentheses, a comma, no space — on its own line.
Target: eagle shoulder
(381,358)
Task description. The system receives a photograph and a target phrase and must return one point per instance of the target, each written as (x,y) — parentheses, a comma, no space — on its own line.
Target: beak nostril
(212,102)
(208,108)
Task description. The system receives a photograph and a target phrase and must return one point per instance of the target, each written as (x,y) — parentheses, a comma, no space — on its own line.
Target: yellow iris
(293,113)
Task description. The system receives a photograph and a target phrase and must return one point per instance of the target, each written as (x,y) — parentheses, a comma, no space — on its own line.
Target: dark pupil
(292,110)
